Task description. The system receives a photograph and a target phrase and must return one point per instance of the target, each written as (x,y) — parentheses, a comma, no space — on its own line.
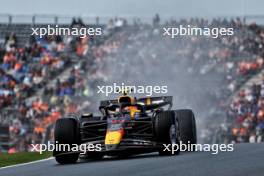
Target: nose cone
(111,146)
(113,138)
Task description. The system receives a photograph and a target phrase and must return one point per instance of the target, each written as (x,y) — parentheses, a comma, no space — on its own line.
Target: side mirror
(102,110)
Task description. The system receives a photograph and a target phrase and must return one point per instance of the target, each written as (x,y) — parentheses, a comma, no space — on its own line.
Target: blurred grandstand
(41,80)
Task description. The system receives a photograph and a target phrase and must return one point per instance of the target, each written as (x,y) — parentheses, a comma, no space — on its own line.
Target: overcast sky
(134,7)
(140,8)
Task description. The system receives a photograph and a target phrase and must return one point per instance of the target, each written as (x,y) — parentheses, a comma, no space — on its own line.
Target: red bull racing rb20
(126,126)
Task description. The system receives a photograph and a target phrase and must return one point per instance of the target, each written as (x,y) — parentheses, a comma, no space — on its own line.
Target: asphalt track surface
(245,160)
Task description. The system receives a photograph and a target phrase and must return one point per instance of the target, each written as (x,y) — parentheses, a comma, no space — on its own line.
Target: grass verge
(22,157)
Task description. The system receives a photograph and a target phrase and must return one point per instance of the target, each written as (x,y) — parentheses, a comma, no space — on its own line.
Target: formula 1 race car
(127,126)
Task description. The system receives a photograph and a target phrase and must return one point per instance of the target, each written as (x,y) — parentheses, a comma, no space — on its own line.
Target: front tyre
(67,158)
(167,131)
(66,132)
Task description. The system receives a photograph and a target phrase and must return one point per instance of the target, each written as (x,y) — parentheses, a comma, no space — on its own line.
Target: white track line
(23,164)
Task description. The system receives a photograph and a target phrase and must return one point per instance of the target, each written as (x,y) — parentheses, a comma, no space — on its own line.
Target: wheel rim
(173,134)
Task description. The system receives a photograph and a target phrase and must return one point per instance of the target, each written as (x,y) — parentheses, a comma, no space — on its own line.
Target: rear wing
(148,102)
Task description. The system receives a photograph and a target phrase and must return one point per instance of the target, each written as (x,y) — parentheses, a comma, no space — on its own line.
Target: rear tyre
(187,126)
(167,131)
(66,132)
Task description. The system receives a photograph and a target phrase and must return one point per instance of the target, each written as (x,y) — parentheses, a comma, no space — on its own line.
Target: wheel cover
(173,134)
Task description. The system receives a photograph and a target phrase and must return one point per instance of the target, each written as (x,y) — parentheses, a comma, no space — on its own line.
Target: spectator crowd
(47,78)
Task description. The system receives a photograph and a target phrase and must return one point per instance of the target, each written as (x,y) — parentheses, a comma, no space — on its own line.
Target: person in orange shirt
(18,66)
(39,130)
